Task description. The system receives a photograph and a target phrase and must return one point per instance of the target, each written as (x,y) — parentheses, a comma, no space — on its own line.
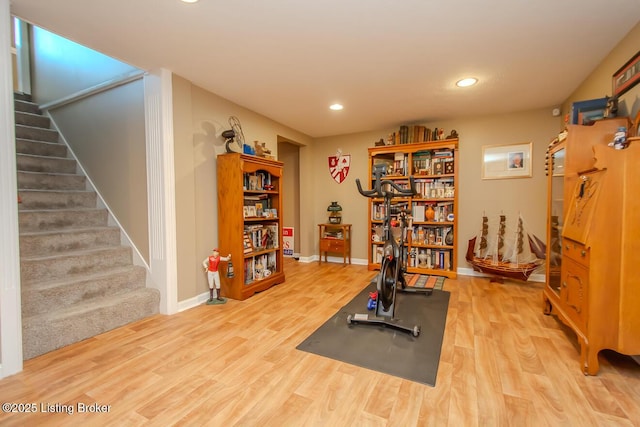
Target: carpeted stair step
(60,219)
(40,148)
(59,328)
(30,119)
(29,162)
(51,181)
(40,297)
(77,279)
(50,199)
(56,266)
(26,107)
(60,241)
(21,96)
(38,134)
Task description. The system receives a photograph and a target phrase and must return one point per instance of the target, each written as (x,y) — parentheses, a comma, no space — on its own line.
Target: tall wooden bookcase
(593,284)
(250,222)
(432,242)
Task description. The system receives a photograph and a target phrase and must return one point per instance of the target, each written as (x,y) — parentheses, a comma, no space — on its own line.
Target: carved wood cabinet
(593,235)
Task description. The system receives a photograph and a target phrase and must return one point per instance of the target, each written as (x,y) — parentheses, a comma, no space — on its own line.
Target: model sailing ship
(513,262)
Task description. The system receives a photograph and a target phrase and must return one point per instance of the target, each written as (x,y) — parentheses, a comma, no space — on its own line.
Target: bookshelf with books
(249,222)
(431,241)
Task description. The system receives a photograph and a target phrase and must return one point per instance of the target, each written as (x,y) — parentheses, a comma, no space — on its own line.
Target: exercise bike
(394,256)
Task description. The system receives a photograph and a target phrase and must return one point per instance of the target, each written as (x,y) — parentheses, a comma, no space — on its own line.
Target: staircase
(77,279)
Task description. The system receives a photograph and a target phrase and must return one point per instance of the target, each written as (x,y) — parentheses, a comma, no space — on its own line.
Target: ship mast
(501,230)
(483,236)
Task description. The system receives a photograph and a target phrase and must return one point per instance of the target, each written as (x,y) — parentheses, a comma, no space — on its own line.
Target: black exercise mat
(384,349)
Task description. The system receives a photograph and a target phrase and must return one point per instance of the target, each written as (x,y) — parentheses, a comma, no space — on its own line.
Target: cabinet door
(573,294)
(555,217)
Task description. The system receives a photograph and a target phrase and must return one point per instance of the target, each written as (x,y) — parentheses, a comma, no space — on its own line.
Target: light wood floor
(503,363)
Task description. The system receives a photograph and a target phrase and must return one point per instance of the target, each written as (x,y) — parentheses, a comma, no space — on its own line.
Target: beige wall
(61,67)
(106,133)
(475,196)
(199,119)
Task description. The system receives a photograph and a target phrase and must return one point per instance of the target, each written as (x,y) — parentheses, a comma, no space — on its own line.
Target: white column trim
(10,302)
(158,105)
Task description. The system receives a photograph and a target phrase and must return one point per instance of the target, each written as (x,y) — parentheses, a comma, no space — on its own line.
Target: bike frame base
(365,319)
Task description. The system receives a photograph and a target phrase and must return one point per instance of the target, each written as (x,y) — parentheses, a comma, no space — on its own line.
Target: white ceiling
(388,61)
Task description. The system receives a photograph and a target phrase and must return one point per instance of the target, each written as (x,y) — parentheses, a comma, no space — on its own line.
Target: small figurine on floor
(373,298)
(211,264)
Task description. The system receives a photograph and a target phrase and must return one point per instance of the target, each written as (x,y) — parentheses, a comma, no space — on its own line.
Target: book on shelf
(262,236)
(259,267)
(437,167)
(256,197)
(448,165)
(400,164)
(246,243)
(261,208)
(249,211)
(377,251)
(331,234)
(257,181)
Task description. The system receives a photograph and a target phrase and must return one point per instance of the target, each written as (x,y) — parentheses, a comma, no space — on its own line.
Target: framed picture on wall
(627,76)
(506,161)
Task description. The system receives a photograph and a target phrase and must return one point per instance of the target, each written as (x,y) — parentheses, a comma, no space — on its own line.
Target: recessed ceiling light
(189,1)
(336,107)
(470,81)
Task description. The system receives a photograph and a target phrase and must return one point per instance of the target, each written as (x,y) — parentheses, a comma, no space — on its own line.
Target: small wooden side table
(335,238)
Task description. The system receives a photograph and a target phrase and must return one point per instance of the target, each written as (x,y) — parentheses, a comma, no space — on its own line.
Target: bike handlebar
(377,191)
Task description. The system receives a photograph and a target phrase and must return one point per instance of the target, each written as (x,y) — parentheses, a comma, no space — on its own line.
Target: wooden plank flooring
(503,363)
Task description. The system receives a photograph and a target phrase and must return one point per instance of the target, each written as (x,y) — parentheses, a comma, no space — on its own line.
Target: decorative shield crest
(339,166)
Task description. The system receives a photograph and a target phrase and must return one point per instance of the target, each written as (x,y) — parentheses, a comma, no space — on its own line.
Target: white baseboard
(193,302)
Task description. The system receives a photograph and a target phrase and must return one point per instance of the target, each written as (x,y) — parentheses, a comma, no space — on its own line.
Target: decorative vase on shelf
(448,239)
(430,214)
(422,257)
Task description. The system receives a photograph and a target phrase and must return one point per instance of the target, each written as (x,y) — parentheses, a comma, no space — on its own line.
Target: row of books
(259,237)
(442,210)
(439,259)
(435,188)
(257,181)
(258,211)
(379,213)
(420,235)
(331,234)
(433,166)
(258,205)
(259,267)
(423,258)
(408,134)
(435,162)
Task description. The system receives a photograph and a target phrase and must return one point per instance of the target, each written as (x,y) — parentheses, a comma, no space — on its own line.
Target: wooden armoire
(593,250)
